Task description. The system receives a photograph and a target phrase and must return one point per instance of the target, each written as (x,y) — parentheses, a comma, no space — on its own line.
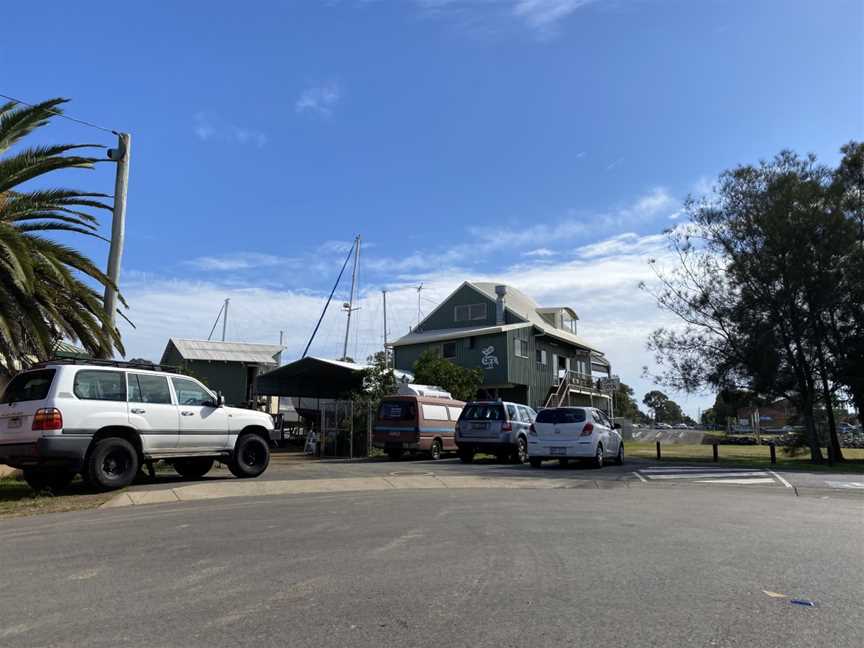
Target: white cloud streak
(209,127)
(319,99)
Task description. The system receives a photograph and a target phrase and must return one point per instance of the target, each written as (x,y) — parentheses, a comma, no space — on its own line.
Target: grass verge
(18,499)
(748,456)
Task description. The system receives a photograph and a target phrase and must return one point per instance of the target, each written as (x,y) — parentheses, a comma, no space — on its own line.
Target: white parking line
(752,480)
(640,476)
(839,484)
(685,469)
(780,479)
(703,475)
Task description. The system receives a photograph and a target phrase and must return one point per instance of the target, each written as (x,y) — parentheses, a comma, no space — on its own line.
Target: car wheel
(394,454)
(193,468)
(598,456)
(113,463)
(54,479)
(535,462)
(251,456)
(437,449)
(620,458)
(521,450)
(466,456)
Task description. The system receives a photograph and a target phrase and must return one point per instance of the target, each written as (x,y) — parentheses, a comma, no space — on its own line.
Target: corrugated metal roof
(454,334)
(227,351)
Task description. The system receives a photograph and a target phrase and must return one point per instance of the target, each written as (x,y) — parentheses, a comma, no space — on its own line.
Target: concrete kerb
(240,488)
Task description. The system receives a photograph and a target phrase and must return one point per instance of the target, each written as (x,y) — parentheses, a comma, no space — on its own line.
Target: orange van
(416,424)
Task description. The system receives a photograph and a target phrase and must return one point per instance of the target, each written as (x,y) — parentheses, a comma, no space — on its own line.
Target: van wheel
(393,454)
(535,462)
(194,467)
(466,456)
(598,457)
(113,463)
(521,450)
(54,479)
(251,457)
(437,449)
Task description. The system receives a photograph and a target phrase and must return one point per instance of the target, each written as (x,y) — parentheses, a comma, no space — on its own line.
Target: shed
(231,367)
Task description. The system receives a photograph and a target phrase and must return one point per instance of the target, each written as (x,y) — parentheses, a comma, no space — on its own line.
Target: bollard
(658,450)
(714,448)
(773,450)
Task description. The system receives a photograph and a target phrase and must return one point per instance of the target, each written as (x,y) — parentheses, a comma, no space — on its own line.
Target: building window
(448,350)
(470,312)
(568,324)
(541,356)
(520,348)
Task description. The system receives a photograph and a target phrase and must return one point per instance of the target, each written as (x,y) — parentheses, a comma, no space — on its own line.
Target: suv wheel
(437,449)
(194,467)
(54,479)
(113,463)
(521,450)
(251,456)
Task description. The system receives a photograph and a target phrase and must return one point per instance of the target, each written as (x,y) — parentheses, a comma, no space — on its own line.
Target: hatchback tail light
(588,430)
(506,426)
(532,430)
(48,418)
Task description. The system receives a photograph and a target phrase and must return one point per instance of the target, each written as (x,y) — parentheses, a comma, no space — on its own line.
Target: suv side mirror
(616,426)
(220,399)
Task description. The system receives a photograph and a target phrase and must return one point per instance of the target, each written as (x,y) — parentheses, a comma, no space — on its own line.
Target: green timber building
(527,353)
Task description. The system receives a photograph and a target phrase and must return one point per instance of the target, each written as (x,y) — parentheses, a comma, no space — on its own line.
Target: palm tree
(48,291)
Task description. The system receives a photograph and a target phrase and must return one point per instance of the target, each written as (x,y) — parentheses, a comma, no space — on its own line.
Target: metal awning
(311,378)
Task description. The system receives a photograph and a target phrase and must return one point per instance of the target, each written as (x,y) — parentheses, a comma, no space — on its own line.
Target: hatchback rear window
(29,386)
(483,413)
(397,411)
(563,415)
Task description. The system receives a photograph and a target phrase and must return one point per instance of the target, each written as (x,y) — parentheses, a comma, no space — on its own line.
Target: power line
(60,114)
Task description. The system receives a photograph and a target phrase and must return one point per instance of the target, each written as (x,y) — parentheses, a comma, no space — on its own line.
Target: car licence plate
(558,451)
(14,423)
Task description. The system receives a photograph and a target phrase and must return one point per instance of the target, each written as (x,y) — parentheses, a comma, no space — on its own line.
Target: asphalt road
(608,567)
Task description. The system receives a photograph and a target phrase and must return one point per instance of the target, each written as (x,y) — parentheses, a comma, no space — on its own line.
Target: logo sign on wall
(489,359)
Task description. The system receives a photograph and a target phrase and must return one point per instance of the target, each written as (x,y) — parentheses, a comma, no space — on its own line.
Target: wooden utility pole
(386,357)
(118,230)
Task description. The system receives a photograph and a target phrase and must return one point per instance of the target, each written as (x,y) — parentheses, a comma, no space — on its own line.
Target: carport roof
(312,377)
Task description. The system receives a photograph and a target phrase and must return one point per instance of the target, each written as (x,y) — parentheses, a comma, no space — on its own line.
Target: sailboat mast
(351,301)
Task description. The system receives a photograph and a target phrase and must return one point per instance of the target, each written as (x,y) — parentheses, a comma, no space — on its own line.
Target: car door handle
(136,410)
(187,413)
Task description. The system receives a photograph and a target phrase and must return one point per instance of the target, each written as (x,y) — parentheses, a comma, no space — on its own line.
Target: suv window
(525,413)
(100,385)
(511,412)
(149,389)
(483,413)
(30,386)
(190,393)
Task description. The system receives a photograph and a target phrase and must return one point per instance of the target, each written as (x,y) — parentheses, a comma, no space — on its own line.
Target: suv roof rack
(120,364)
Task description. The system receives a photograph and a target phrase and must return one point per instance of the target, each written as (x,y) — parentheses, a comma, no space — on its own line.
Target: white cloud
(543,17)
(320,99)
(238,261)
(210,127)
(540,252)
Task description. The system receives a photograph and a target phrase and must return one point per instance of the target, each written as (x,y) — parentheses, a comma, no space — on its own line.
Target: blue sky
(542,142)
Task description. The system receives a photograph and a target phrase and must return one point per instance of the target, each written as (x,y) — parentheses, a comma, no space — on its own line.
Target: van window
(454,413)
(100,385)
(397,411)
(29,386)
(434,412)
(483,413)
(144,388)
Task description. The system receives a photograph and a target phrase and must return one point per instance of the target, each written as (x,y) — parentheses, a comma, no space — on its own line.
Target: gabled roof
(517,302)
(225,351)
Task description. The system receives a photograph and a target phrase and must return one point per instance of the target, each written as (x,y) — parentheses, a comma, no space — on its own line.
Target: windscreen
(30,386)
(397,411)
(489,412)
(562,415)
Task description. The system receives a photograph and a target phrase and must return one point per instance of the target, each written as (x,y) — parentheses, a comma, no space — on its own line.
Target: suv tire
(113,463)
(194,467)
(521,453)
(54,479)
(251,457)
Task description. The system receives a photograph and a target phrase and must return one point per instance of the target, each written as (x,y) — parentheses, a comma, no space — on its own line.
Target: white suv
(106,419)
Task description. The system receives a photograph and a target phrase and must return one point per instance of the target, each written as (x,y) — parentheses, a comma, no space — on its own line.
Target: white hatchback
(566,433)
